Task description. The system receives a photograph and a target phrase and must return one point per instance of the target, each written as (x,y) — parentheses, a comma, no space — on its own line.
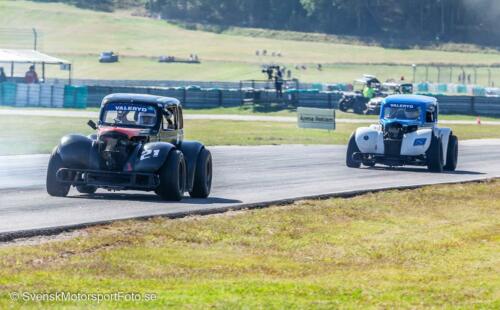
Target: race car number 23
(146,154)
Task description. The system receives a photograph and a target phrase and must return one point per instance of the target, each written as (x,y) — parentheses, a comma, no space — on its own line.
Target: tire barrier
(44,95)
(31,95)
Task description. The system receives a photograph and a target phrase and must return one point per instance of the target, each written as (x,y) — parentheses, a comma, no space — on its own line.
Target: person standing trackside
(3,78)
(31,76)
(278,83)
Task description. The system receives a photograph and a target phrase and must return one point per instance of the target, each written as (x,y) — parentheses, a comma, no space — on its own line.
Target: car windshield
(129,115)
(402,112)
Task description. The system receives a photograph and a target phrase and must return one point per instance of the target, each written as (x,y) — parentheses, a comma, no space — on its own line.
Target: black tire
(435,155)
(368,163)
(203,175)
(86,189)
(452,154)
(352,148)
(172,177)
(343,105)
(359,106)
(55,188)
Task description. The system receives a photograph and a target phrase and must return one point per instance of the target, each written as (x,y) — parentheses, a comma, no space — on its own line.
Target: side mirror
(92,124)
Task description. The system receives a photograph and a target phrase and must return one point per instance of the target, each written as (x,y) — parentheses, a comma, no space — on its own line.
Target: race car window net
(129,115)
(402,113)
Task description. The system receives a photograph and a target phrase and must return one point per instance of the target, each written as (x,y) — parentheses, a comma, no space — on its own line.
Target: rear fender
(191,150)
(149,158)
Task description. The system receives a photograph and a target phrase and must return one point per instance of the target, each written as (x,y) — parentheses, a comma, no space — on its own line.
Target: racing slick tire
(55,188)
(86,189)
(368,163)
(203,175)
(452,154)
(172,177)
(435,155)
(352,148)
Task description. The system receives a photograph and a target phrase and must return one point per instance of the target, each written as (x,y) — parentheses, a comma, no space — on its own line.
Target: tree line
(473,21)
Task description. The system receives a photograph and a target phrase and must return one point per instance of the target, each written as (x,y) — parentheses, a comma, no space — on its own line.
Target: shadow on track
(424,170)
(153,198)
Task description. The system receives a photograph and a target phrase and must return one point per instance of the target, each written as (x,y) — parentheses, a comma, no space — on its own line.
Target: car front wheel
(352,148)
(55,188)
(435,155)
(203,175)
(452,154)
(172,177)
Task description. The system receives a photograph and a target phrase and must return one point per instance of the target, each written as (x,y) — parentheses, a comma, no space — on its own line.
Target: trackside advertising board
(316,118)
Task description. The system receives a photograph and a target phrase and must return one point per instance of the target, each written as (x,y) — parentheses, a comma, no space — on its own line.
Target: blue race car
(407,134)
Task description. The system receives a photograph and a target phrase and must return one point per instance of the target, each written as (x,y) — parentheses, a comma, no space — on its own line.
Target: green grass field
(435,247)
(42,134)
(79,35)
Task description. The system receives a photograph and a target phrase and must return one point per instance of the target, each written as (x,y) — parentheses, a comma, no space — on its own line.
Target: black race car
(139,145)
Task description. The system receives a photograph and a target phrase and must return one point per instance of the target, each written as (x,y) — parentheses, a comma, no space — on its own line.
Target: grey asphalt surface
(242,176)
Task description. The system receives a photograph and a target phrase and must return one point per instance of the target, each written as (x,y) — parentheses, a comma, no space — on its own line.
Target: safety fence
(66,96)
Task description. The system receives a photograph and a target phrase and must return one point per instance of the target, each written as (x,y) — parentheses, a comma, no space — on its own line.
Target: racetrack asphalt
(243,176)
(223,117)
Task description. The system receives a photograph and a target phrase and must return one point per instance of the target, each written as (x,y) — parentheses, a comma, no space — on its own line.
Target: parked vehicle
(387,89)
(355,100)
(108,57)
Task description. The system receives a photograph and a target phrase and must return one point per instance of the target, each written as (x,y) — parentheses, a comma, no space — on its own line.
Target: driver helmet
(146,119)
(411,114)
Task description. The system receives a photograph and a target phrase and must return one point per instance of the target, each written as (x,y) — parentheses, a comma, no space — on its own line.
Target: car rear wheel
(352,148)
(172,177)
(452,154)
(203,175)
(55,188)
(435,155)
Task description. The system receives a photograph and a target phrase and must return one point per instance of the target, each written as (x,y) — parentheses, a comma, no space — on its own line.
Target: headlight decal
(419,141)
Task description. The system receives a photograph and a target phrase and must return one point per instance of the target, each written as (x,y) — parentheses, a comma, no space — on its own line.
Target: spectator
(278,84)
(269,72)
(3,78)
(257,53)
(31,76)
(289,74)
(320,67)
(468,78)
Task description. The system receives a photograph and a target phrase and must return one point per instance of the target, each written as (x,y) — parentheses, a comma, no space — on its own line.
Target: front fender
(370,139)
(191,150)
(77,151)
(411,148)
(149,158)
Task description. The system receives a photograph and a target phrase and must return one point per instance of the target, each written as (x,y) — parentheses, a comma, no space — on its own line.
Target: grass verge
(431,247)
(33,134)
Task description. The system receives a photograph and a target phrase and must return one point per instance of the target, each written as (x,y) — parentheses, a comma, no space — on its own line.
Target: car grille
(392,147)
